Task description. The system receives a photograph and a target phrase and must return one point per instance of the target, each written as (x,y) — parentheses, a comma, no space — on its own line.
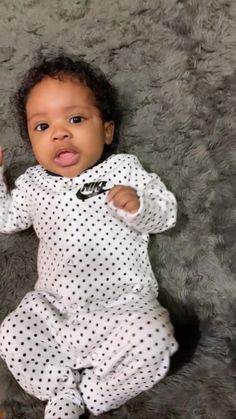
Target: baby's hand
(125,198)
(1,156)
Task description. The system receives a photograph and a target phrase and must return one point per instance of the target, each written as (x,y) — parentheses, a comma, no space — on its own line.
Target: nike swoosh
(84,196)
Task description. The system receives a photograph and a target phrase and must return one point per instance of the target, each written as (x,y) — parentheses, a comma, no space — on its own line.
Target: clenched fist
(125,198)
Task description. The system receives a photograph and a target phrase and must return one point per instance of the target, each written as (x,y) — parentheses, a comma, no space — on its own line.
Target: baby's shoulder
(123,159)
(28,176)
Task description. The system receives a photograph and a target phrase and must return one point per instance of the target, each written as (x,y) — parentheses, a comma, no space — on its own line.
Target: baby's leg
(63,407)
(28,345)
(132,359)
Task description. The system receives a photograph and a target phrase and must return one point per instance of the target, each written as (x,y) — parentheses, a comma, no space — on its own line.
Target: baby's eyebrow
(81,108)
(78,108)
(36,115)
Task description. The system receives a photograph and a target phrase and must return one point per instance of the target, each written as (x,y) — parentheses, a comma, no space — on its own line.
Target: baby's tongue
(67,158)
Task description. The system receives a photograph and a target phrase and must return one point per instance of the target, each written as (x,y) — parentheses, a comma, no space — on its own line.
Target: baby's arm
(14,214)
(145,204)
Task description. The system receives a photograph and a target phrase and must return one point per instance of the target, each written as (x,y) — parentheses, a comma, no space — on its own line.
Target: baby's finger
(120,199)
(132,206)
(1,155)
(123,196)
(113,192)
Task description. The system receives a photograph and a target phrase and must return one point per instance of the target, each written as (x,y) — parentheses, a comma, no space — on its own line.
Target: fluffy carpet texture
(174,62)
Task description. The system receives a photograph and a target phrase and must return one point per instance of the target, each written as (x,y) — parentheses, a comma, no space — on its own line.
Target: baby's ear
(109,131)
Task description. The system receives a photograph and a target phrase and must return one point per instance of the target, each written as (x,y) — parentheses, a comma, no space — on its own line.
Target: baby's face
(65,127)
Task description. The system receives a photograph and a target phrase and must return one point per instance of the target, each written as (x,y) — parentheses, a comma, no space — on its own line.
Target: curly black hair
(61,65)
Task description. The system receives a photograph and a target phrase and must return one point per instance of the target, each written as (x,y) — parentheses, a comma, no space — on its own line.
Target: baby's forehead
(53,95)
(67,78)
(79,80)
(64,87)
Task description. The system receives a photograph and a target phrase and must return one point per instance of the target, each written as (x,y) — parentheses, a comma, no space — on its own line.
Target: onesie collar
(57,182)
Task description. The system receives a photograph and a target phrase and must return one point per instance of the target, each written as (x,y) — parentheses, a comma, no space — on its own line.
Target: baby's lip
(65,150)
(66,157)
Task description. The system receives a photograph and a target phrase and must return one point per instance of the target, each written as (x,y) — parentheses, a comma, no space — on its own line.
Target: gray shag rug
(174,62)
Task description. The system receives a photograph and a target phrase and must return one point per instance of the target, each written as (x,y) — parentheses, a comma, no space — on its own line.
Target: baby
(92,333)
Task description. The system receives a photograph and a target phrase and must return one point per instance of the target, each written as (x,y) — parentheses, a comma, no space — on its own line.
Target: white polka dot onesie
(92,333)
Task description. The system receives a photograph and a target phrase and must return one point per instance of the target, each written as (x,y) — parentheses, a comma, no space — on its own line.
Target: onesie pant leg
(134,357)
(42,368)
(128,347)
(62,407)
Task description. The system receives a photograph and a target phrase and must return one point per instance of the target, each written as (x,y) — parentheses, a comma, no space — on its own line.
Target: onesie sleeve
(158,206)
(14,209)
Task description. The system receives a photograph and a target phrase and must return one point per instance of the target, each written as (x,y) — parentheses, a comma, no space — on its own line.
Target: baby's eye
(76,119)
(41,127)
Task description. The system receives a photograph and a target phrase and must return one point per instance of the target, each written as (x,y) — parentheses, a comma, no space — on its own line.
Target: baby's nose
(61,134)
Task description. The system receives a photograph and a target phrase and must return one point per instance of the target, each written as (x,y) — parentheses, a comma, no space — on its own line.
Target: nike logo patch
(91,189)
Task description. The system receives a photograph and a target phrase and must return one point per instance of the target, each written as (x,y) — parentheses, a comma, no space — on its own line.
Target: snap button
(74,305)
(94,356)
(69,182)
(65,378)
(75,322)
(138,287)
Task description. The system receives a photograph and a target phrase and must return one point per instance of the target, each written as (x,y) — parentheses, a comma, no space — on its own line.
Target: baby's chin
(67,169)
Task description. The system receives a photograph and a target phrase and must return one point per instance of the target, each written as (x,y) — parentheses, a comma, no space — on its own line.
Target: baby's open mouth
(66,158)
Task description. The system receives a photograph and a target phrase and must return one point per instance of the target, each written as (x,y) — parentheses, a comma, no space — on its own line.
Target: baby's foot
(62,407)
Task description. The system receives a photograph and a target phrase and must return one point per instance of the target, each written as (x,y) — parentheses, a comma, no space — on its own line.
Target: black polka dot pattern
(98,357)
(92,331)
(63,407)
